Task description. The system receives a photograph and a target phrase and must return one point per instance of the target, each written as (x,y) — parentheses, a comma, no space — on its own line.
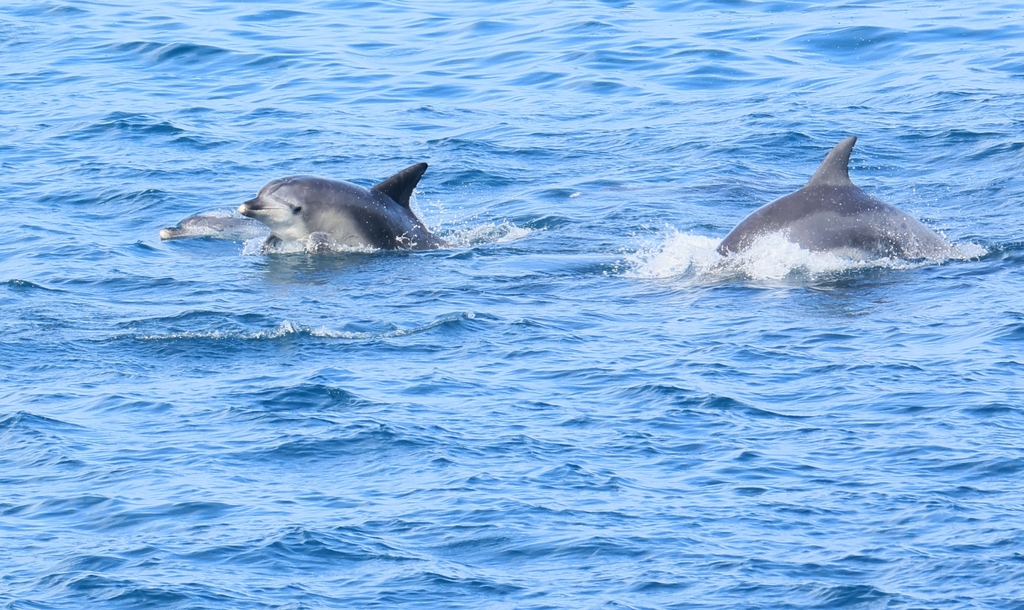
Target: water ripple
(577,404)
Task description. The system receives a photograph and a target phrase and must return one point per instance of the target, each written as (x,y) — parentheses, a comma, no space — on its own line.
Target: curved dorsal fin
(400,186)
(835,169)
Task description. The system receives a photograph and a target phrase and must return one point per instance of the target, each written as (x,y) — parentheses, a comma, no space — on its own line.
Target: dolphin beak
(245,207)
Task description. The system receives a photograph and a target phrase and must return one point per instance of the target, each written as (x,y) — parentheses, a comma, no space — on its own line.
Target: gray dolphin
(831,214)
(299,207)
(220,227)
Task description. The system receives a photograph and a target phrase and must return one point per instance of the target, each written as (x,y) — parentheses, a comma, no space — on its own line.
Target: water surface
(572,407)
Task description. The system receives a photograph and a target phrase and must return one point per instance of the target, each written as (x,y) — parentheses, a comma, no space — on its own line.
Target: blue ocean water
(574,406)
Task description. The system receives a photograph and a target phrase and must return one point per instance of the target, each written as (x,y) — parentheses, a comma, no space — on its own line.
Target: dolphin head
(170,233)
(279,205)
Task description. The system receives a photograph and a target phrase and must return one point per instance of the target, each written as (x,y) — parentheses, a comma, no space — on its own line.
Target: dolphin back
(832,214)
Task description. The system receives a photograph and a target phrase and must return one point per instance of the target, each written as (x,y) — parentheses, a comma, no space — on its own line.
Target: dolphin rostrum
(831,214)
(307,208)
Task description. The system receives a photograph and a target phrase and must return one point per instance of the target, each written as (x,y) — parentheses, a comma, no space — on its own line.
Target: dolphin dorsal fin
(835,169)
(400,186)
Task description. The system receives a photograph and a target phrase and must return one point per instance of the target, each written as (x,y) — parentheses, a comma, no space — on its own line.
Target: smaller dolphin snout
(246,207)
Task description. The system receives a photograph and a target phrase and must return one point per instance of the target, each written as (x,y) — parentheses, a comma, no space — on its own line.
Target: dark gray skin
(218,227)
(831,214)
(298,207)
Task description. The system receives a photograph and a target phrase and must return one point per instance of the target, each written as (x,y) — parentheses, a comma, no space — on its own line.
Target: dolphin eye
(297,209)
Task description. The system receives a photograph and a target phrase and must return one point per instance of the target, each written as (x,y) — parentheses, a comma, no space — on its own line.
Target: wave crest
(288,329)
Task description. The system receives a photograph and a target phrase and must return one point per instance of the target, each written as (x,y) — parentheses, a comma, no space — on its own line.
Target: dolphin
(831,214)
(219,227)
(311,209)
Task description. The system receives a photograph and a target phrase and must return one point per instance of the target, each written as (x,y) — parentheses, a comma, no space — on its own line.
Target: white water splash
(771,257)
(679,254)
(316,243)
(491,233)
(442,222)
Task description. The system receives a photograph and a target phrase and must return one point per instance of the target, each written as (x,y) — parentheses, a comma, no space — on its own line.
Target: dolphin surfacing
(216,227)
(831,214)
(298,208)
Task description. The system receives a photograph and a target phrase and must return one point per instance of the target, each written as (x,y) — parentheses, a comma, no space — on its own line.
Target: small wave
(772,257)
(303,547)
(304,397)
(271,15)
(25,285)
(129,124)
(178,52)
(282,330)
(289,329)
(33,422)
(840,596)
(352,440)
